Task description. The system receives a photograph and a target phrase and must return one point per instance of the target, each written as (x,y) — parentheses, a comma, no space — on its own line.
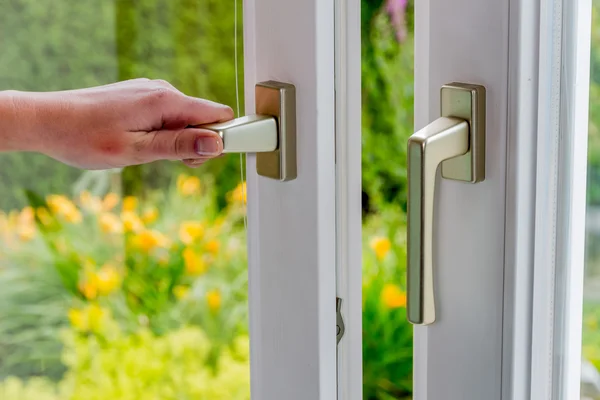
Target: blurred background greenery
(110,281)
(132,262)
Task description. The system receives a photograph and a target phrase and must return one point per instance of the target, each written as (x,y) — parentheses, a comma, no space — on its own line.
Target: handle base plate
(466,101)
(279,100)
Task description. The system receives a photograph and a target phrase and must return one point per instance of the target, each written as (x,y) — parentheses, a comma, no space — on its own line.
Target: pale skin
(112,126)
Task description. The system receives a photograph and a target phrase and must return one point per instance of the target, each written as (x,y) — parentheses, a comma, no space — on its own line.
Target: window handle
(456,140)
(271,132)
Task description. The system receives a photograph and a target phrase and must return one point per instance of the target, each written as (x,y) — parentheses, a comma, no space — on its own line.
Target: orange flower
(150,239)
(392,296)
(213,298)
(110,201)
(381,246)
(213,246)
(88,287)
(130,203)
(64,207)
(110,223)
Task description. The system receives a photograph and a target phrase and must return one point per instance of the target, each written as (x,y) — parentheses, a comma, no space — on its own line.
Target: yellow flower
(392,296)
(78,319)
(130,203)
(213,246)
(26,233)
(150,215)
(149,239)
(190,231)
(131,222)
(239,194)
(88,287)
(4,227)
(213,298)
(44,216)
(89,202)
(89,319)
(181,291)
(27,215)
(64,207)
(26,224)
(110,223)
(381,246)
(107,279)
(591,323)
(96,315)
(110,201)
(188,185)
(194,264)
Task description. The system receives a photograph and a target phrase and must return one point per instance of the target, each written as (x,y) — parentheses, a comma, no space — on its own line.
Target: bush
(139,366)
(151,269)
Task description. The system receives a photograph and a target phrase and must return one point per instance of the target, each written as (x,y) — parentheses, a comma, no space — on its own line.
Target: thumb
(183,144)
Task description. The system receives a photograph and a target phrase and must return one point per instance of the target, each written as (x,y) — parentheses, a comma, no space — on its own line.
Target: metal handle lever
(250,134)
(271,133)
(456,140)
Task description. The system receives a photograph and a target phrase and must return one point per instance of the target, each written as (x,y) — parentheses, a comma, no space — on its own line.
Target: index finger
(191,111)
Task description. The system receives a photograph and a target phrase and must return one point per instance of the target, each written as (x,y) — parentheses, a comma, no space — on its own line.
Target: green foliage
(89,43)
(594,127)
(387,336)
(32,310)
(591,332)
(139,366)
(387,108)
(64,45)
(150,269)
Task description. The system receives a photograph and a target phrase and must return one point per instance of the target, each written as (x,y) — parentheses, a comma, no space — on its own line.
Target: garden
(132,283)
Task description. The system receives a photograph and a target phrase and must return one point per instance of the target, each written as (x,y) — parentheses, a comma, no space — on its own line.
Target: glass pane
(590,379)
(122,284)
(387,117)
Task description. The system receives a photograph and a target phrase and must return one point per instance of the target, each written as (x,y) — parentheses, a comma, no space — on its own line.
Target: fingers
(184,110)
(183,144)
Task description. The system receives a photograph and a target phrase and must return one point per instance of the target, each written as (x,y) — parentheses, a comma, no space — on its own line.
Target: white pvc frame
(546,192)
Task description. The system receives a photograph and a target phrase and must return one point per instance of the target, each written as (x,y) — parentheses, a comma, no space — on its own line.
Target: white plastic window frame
(546,198)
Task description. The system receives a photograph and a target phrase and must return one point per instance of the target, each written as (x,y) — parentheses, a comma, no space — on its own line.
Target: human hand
(125,123)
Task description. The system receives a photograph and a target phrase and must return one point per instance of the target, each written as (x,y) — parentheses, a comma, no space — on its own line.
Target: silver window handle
(271,132)
(456,140)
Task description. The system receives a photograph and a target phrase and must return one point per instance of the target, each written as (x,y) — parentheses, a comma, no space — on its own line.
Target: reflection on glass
(387,117)
(590,378)
(124,284)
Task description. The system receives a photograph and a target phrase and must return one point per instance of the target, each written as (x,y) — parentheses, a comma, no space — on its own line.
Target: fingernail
(208,146)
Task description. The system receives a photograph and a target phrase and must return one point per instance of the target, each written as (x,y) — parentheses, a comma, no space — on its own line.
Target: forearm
(17,121)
